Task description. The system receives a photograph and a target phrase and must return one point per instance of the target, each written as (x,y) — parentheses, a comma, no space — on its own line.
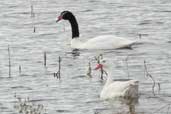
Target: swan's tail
(132,90)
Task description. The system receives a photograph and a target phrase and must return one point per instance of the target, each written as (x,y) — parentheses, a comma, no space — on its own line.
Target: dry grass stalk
(19,69)
(32,10)
(100,56)
(58,73)
(32,16)
(102,71)
(34,29)
(147,74)
(9,61)
(45,57)
(89,70)
(159,86)
(127,67)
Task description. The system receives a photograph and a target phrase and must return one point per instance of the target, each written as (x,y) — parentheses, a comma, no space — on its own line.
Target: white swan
(117,89)
(100,42)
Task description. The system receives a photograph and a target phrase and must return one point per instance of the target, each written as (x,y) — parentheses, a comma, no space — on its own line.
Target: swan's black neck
(74,27)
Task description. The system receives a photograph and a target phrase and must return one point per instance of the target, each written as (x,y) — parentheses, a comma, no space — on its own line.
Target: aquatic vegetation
(9,61)
(58,73)
(89,71)
(147,74)
(26,106)
(45,58)
(102,71)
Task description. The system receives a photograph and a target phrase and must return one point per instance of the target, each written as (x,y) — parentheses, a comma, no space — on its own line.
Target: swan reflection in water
(130,102)
(119,106)
(75,52)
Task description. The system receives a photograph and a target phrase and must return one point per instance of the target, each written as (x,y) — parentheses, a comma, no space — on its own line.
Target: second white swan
(116,89)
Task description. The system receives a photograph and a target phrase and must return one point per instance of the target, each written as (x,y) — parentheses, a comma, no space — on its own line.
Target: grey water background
(76,93)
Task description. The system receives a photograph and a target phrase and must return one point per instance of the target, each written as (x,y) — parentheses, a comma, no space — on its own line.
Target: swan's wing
(113,90)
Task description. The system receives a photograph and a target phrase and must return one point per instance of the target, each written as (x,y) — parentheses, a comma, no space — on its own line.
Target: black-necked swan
(100,42)
(119,88)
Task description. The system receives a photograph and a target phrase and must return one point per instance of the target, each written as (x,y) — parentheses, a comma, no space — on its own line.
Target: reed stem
(89,70)
(58,73)
(9,61)
(45,58)
(150,76)
(19,69)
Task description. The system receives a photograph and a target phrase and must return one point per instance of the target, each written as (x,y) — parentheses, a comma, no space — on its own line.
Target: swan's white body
(102,42)
(117,89)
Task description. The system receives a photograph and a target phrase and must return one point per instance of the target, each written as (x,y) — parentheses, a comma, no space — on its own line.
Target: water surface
(75,93)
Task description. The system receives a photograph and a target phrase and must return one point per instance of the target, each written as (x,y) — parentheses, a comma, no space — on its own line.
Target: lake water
(76,93)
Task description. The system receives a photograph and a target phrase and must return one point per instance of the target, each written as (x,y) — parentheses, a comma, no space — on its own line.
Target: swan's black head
(66,15)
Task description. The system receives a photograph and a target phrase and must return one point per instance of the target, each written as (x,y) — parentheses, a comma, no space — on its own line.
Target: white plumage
(119,88)
(102,42)
(125,89)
